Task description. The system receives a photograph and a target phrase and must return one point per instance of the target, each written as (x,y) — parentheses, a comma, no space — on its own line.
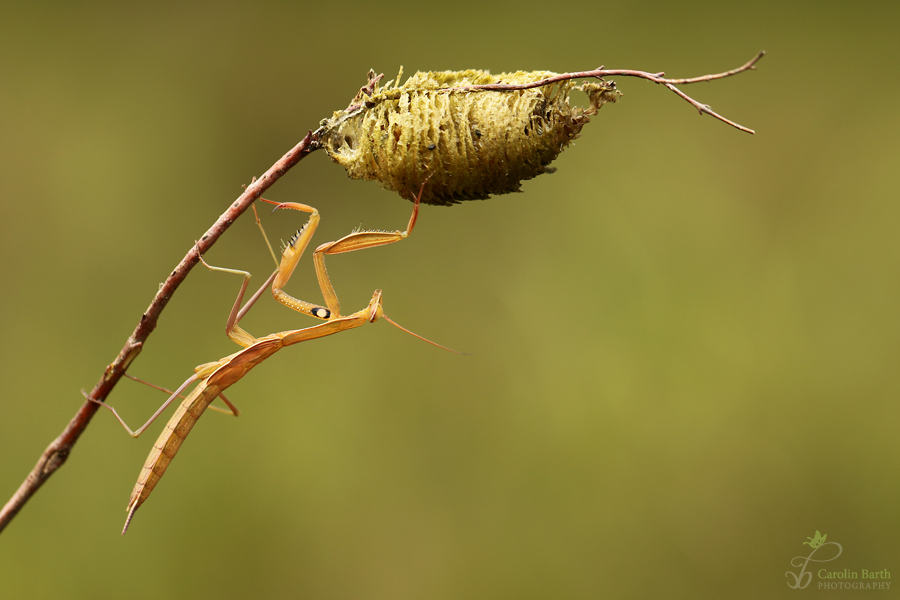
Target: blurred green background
(684,341)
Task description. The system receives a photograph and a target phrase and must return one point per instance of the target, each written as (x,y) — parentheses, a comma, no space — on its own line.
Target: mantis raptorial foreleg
(358,240)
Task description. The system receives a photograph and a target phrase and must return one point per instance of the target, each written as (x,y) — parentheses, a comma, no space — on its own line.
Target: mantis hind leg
(232,409)
(159,411)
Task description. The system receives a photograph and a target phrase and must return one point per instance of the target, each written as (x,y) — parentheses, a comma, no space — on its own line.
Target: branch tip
(654,77)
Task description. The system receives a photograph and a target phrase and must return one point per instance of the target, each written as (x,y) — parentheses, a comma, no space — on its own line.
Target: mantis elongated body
(216,377)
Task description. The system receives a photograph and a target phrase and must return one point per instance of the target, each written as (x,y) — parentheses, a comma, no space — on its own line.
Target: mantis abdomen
(170,441)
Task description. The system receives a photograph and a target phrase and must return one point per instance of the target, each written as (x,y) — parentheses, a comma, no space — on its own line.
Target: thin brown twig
(654,77)
(58,450)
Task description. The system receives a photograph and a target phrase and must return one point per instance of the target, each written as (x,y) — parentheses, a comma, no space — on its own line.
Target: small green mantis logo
(815,542)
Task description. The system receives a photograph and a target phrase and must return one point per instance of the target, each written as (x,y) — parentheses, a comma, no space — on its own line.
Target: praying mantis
(215,377)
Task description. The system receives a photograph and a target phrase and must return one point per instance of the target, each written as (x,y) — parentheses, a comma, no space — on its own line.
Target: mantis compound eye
(375,309)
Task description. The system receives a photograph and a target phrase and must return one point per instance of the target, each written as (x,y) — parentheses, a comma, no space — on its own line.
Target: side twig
(654,77)
(58,450)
